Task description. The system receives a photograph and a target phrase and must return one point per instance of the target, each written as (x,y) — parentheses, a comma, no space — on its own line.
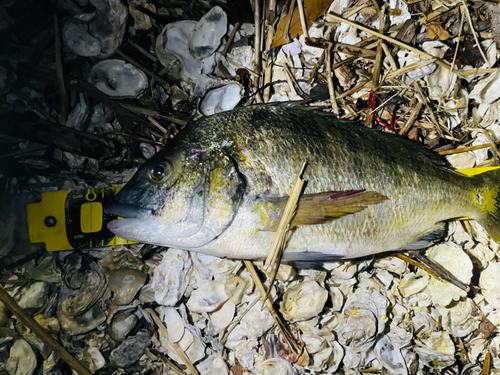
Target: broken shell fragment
(125,284)
(274,366)
(118,79)
(221,99)
(122,325)
(489,282)
(222,317)
(303,301)
(35,296)
(170,277)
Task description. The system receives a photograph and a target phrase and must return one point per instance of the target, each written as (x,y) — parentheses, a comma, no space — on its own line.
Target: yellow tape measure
(74,219)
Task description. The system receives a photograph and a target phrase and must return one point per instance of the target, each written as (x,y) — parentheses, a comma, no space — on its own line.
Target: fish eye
(159,172)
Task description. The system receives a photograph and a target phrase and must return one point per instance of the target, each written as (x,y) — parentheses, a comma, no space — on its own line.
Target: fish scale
(398,194)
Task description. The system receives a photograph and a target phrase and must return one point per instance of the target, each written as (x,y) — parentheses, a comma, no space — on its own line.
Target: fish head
(179,198)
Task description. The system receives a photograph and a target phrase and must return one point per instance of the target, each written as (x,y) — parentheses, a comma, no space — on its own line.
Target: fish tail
(486,195)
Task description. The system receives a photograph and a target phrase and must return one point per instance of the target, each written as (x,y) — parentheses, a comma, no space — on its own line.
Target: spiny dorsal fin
(322,208)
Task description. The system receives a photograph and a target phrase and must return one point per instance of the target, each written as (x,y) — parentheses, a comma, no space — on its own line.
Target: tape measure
(74,219)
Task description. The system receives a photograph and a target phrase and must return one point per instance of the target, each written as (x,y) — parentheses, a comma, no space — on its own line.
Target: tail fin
(487,196)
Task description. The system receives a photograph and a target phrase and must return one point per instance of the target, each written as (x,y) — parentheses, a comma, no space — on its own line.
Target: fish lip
(127,211)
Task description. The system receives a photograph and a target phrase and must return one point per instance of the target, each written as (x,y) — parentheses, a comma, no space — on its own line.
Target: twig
(441,272)
(157,124)
(411,120)
(377,66)
(486,365)
(175,345)
(230,38)
(41,333)
(150,56)
(167,361)
(142,67)
(303,18)
(256,18)
(281,326)
(456,52)
(391,40)
(428,107)
(63,115)
(153,113)
(286,218)
(487,134)
(329,80)
(466,9)
(237,320)
(286,31)
(389,56)
(409,68)
(466,149)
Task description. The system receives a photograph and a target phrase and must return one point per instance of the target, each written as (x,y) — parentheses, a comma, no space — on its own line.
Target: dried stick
(286,218)
(456,52)
(377,66)
(389,56)
(142,67)
(411,120)
(441,272)
(303,18)
(487,134)
(428,107)
(286,32)
(467,149)
(281,326)
(466,9)
(230,38)
(390,39)
(486,365)
(157,124)
(256,18)
(329,80)
(409,68)
(63,115)
(41,333)
(175,345)
(149,55)
(167,361)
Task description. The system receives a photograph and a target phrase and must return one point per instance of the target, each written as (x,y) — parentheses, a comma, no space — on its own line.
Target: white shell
(221,99)
(487,90)
(170,277)
(209,296)
(35,296)
(175,325)
(222,317)
(118,79)
(453,259)
(390,356)
(207,34)
(303,301)
(274,366)
(22,359)
(464,318)
(489,282)
(213,365)
(413,283)
(93,358)
(363,318)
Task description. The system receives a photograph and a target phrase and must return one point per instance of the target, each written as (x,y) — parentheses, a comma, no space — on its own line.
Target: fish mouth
(130,215)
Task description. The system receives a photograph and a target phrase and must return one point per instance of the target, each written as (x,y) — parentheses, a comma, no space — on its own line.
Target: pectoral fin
(322,208)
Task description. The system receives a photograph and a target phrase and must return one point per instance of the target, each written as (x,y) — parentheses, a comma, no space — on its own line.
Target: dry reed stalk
(63,115)
(175,346)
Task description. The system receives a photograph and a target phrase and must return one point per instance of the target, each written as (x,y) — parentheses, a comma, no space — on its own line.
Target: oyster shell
(274,366)
(98,34)
(209,296)
(130,350)
(22,359)
(221,99)
(118,79)
(489,282)
(303,301)
(170,278)
(121,326)
(125,284)
(35,296)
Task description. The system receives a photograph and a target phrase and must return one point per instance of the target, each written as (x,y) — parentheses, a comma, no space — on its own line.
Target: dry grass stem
(329,79)
(157,124)
(286,32)
(41,333)
(389,56)
(142,67)
(391,40)
(286,218)
(413,262)
(411,119)
(423,99)
(471,26)
(466,149)
(167,361)
(237,321)
(149,55)
(175,346)
(489,136)
(153,113)
(456,52)
(264,294)
(63,114)
(409,68)
(302,15)
(230,38)
(486,364)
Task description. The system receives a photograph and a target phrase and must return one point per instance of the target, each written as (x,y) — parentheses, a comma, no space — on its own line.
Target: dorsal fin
(322,208)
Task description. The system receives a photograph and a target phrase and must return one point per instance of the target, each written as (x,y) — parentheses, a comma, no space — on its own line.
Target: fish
(220,187)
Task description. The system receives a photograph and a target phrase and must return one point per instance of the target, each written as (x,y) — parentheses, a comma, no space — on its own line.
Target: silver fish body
(213,189)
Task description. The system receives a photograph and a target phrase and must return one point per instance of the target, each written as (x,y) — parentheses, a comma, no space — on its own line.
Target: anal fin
(429,238)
